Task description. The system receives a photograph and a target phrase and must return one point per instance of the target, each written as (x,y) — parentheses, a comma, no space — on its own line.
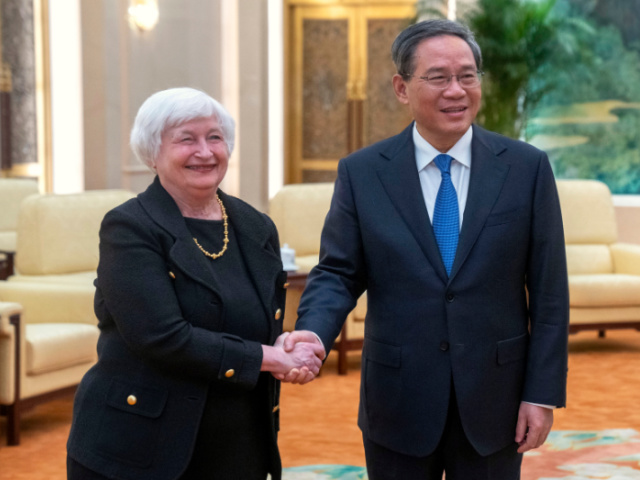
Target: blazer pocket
(383,353)
(512,349)
(136,399)
(382,383)
(130,425)
(504,217)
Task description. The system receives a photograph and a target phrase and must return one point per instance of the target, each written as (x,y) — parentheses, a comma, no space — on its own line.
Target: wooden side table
(296,282)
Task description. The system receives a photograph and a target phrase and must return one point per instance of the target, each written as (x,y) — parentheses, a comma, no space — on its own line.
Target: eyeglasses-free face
(443,109)
(193,160)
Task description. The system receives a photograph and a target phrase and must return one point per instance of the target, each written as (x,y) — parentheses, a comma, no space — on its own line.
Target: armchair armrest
(51,303)
(8,310)
(626,258)
(11,339)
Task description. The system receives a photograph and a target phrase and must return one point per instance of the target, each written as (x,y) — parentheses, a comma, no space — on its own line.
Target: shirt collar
(425,152)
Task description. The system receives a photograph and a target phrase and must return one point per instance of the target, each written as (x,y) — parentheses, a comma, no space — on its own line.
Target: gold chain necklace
(226,234)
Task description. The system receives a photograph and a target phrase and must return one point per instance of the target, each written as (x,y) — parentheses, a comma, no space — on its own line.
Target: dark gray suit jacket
(479,327)
(162,337)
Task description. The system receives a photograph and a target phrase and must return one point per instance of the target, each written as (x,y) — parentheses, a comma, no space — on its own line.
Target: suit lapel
(402,184)
(487,176)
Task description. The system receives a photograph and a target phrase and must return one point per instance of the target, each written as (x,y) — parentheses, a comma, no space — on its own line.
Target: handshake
(296,357)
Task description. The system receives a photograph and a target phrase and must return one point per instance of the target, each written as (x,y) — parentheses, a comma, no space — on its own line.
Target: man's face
(442,116)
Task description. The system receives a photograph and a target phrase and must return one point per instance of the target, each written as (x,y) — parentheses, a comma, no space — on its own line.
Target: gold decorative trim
(328,164)
(31,170)
(5,76)
(5,69)
(43,94)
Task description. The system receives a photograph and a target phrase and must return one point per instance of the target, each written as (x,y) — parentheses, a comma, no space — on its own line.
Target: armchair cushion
(8,241)
(626,258)
(58,234)
(55,346)
(588,212)
(585,259)
(604,290)
(299,211)
(79,278)
(51,303)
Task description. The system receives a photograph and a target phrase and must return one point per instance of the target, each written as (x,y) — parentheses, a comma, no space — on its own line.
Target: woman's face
(193,159)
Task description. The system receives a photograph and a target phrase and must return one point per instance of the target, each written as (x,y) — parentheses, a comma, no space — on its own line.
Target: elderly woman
(190,294)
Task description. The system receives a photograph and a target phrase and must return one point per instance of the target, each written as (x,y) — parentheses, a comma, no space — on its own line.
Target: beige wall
(628,219)
(123,66)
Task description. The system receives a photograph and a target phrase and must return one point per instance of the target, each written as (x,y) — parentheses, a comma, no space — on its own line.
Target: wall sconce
(143,13)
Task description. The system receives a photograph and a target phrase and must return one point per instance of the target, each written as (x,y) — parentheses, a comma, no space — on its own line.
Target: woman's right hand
(305,358)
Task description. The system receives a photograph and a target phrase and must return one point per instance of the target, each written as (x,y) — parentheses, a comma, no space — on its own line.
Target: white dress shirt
(430,175)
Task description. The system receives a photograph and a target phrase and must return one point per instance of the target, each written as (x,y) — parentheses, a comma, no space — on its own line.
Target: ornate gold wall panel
(324,75)
(24,54)
(384,113)
(338,91)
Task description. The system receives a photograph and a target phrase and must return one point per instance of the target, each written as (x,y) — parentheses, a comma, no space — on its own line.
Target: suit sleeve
(336,283)
(547,285)
(136,292)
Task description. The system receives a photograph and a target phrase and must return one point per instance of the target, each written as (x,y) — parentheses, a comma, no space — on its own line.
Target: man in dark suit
(456,234)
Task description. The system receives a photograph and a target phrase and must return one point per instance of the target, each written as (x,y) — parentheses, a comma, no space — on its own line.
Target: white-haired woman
(190,294)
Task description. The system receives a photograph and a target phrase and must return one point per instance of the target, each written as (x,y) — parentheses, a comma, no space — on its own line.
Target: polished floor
(319,419)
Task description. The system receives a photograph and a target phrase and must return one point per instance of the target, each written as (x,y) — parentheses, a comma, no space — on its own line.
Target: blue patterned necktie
(446,218)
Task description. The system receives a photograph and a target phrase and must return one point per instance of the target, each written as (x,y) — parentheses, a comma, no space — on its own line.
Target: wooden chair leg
(343,348)
(13,424)
(343,366)
(13,411)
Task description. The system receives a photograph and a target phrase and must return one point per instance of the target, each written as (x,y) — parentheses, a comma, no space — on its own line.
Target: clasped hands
(296,357)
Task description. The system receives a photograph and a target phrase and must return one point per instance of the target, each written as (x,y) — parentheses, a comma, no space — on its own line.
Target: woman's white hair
(170,108)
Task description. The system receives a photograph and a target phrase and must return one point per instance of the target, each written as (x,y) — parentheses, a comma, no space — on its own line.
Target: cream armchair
(12,192)
(58,236)
(47,349)
(299,211)
(604,275)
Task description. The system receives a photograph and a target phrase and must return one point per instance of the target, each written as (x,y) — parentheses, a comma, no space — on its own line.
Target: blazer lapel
(252,233)
(487,176)
(164,211)
(402,183)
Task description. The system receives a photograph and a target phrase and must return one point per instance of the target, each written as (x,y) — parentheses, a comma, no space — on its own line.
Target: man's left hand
(534,424)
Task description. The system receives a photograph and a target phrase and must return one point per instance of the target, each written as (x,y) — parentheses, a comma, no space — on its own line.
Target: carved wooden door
(338,93)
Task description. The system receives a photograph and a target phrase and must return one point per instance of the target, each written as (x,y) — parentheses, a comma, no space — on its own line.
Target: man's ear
(400,88)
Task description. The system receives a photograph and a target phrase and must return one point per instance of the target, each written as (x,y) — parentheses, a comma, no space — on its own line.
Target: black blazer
(423,329)
(161,337)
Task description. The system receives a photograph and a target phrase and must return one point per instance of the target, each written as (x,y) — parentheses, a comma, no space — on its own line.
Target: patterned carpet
(567,455)
(586,455)
(325,472)
(591,439)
